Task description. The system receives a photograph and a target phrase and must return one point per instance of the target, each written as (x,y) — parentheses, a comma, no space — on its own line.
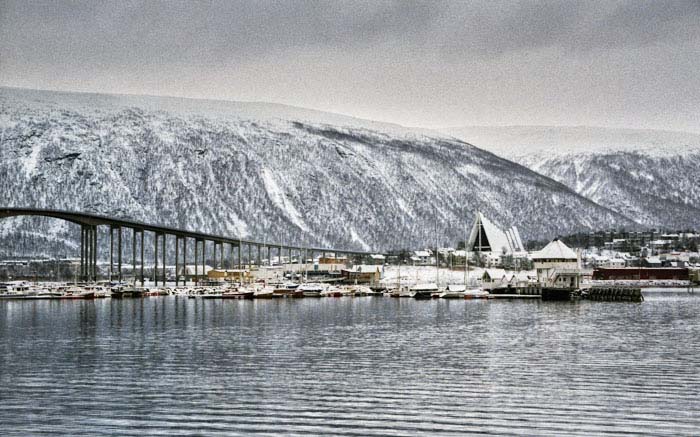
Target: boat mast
(306,267)
(466,258)
(437,255)
(398,280)
(478,217)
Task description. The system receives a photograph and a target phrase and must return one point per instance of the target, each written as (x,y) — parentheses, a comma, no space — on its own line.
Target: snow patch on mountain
(355,237)
(279,198)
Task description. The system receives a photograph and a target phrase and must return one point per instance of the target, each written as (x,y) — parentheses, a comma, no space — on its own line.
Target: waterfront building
(493,277)
(423,257)
(333,260)
(642,273)
(234,275)
(557,265)
(362,274)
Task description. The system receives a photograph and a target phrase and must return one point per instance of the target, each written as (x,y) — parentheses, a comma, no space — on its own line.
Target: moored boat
(555,293)
(476,294)
(311,289)
(239,294)
(335,292)
(264,293)
(453,291)
(423,291)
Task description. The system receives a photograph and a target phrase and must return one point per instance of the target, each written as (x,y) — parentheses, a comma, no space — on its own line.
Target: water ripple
(350,367)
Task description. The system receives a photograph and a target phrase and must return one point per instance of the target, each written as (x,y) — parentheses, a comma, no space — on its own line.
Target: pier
(614,294)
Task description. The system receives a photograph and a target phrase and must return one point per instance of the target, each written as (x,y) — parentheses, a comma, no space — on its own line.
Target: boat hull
(556,293)
(239,295)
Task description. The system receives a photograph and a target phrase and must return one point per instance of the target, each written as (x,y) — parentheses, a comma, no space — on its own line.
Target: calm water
(344,366)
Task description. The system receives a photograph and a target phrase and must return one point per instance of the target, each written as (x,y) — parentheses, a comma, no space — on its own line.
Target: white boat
(454,291)
(476,294)
(333,292)
(363,290)
(266,292)
(311,289)
(423,291)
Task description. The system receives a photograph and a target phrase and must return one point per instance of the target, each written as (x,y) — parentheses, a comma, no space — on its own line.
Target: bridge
(89,248)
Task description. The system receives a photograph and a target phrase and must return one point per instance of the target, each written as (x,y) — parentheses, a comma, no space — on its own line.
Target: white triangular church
(486,237)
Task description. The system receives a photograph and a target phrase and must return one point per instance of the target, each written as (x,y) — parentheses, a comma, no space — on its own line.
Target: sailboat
(423,291)
(427,291)
(456,291)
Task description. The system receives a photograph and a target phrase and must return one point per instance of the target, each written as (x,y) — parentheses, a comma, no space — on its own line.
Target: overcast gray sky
(631,63)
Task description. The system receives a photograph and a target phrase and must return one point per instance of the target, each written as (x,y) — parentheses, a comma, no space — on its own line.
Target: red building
(644,273)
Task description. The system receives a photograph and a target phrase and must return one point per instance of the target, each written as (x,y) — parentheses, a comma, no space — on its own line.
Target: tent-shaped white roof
(494,274)
(493,239)
(555,250)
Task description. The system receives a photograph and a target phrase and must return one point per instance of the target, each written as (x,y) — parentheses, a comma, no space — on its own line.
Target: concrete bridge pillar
(164,269)
(177,259)
(155,259)
(88,253)
(83,252)
(142,250)
(119,255)
(196,259)
(111,251)
(229,264)
(184,260)
(133,253)
(204,259)
(250,251)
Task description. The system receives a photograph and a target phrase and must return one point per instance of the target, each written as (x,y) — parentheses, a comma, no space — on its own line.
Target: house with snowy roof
(522,278)
(493,278)
(377,259)
(423,257)
(557,265)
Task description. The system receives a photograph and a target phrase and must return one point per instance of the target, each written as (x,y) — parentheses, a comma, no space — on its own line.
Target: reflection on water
(350,366)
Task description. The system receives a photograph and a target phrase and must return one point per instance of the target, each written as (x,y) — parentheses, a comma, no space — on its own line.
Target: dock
(614,294)
(514,296)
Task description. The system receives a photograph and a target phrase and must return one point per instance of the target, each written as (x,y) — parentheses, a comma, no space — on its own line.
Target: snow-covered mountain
(649,176)
(262,171)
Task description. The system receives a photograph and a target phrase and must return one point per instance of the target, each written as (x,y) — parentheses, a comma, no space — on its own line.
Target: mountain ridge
(289,181)
(647,175)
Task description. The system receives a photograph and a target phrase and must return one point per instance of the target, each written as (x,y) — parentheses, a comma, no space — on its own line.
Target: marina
(58,291)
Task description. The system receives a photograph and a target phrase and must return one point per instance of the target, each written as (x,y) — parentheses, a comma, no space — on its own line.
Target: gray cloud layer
(631,63)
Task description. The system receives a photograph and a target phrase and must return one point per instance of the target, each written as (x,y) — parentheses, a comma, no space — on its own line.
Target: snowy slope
(278,174)
(650,176)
